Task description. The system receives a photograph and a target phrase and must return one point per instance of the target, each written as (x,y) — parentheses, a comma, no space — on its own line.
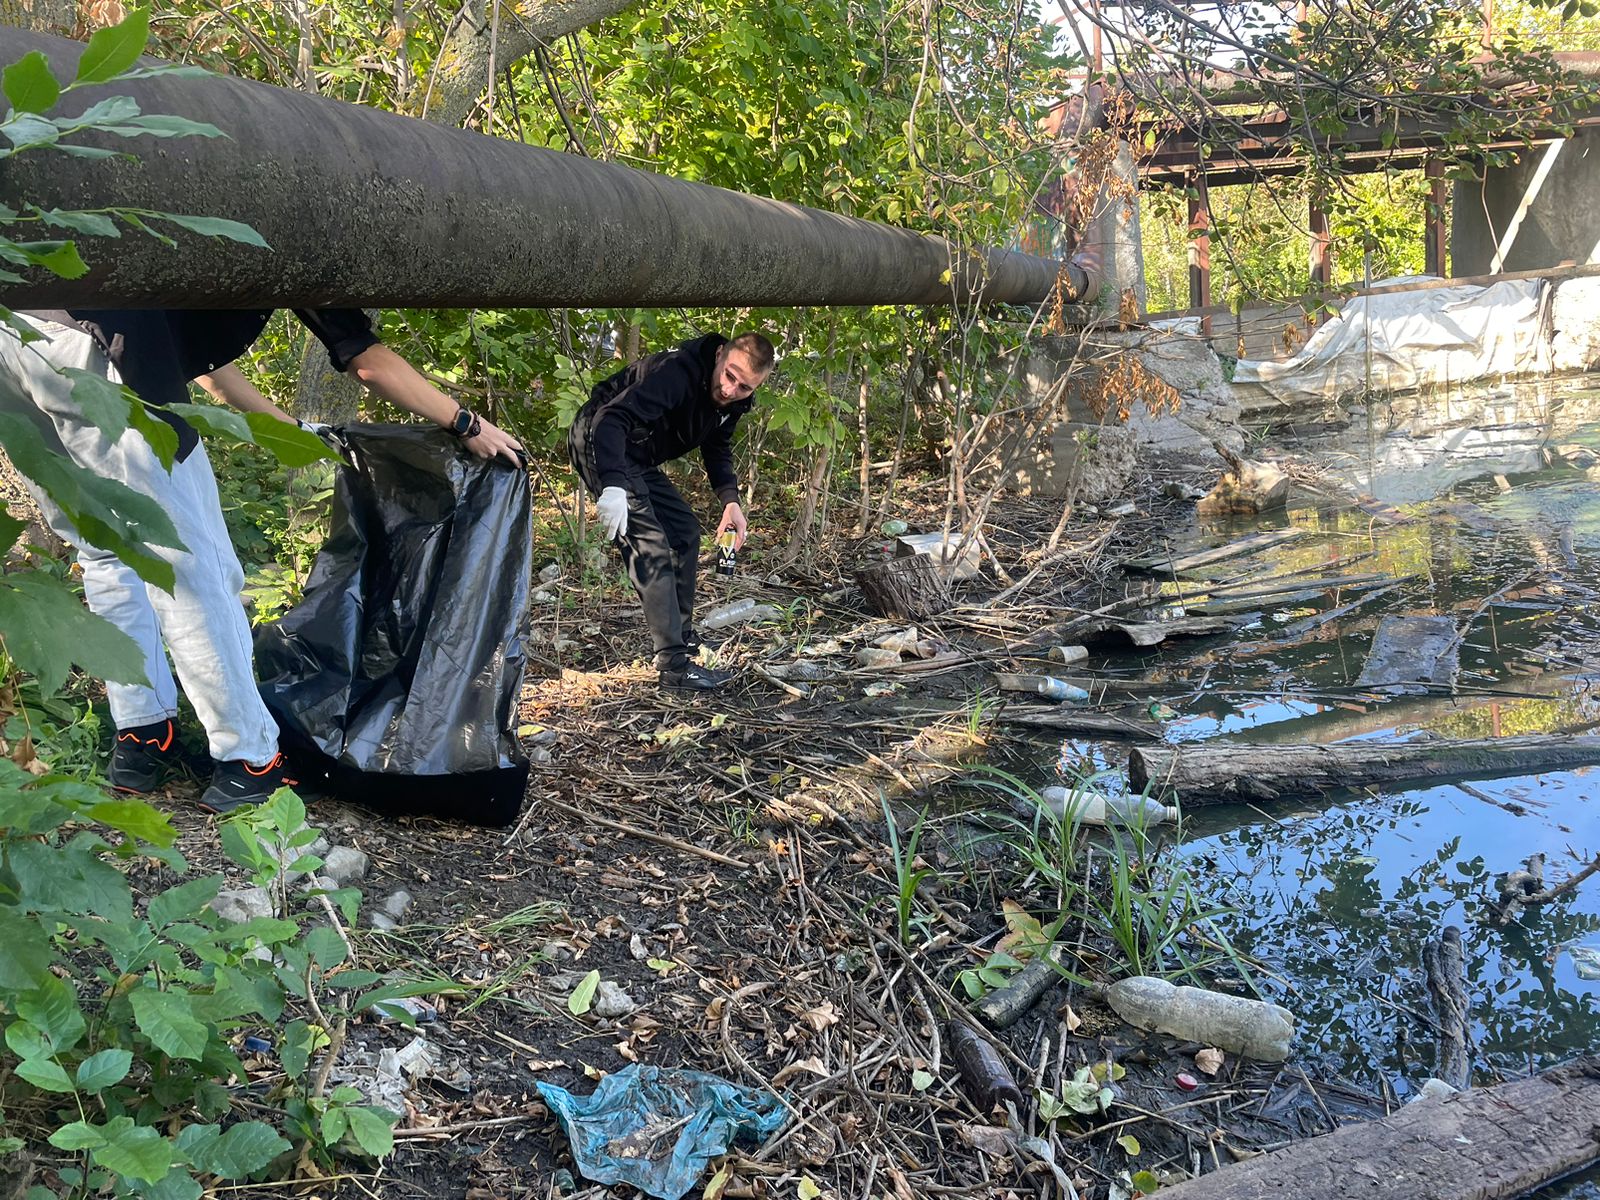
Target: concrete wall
(1537,213)
(1075,451)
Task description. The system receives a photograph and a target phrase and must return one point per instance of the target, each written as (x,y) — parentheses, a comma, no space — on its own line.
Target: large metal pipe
(366,208)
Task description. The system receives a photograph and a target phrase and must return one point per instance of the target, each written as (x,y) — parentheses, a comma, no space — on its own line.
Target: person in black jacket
(658,409)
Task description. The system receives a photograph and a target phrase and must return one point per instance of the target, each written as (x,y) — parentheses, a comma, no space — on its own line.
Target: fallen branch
(1447,975)
(1525,889)
(661,839)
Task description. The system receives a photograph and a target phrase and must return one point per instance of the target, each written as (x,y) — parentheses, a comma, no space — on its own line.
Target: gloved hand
(613,510)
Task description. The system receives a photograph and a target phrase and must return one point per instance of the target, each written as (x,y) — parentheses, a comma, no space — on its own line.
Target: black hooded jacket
(659,409)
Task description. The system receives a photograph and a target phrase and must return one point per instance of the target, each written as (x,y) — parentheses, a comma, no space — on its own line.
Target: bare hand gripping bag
(398,673)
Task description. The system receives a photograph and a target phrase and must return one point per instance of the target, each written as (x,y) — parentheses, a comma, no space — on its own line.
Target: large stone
(242,904)
(345,865)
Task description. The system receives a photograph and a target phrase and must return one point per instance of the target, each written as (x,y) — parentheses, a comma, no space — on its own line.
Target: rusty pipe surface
(364,208)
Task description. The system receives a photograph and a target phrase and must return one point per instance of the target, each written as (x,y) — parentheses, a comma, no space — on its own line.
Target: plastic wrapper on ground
(658,1129)
(398,672)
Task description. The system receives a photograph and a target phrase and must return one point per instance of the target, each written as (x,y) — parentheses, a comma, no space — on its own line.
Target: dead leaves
(1209,1061)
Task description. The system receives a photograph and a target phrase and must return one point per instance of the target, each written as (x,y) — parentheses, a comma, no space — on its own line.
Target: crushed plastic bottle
(1095,808)
(1252,1028)
(738,613)
(1068,654)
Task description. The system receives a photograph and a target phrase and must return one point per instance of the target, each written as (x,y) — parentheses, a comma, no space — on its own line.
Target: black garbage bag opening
(397,675)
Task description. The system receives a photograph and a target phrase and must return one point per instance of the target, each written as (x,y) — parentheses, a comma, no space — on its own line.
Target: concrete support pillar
(1113,241)
(1200,247)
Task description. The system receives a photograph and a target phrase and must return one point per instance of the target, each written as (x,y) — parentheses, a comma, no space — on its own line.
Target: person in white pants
(202,620)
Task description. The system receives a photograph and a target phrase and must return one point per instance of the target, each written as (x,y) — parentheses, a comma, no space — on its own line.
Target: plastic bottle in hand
(727,556)
(1252,1028)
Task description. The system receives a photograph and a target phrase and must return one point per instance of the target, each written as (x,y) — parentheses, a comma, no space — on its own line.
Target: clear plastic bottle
(1095,808)
(1068,654)
(1252,1028)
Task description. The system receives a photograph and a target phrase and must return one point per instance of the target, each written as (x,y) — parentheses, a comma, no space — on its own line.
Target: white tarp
(1405,340)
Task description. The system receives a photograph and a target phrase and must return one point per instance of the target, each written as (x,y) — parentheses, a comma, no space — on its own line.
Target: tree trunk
(1484,1144)
(1241,773)
(906,589)
(42,16)
(461,75)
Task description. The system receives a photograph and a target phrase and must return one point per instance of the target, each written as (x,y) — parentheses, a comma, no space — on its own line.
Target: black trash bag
(398,673)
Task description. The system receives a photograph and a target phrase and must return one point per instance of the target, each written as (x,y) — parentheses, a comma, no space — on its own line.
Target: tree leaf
(112,51)
(582,998)
(167,1019)
(1130,1145)
(373,1129)
(92,223)
(101,1070)
(104,402)
(107,513)
(59,258)
(29,85)
(808,1189)
(47,629)
(80,1135)
(921,1081)
(52,1008)
(245,1149)
(289,444)
(136,818)
(136,1151)
(45,1074)
(183,901)
(221,227)
(1145,1182)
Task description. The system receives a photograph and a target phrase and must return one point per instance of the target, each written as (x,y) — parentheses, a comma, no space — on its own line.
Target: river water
(1335,898)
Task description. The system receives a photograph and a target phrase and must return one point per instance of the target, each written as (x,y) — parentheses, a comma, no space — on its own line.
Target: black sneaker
(692,643)
(692,677)
(236,783)
(142,756)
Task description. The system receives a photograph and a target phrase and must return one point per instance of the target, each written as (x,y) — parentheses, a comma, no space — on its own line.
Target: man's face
(736,377)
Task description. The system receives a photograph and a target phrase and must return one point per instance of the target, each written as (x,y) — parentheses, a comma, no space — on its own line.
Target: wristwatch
(465,424)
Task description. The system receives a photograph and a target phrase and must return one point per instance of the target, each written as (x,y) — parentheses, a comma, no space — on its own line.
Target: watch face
(462,422)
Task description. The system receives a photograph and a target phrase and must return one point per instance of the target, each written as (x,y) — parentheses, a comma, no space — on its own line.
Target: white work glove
(316,427)
(613,510)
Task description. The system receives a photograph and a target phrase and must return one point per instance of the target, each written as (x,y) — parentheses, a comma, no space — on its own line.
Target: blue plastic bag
(657,1129)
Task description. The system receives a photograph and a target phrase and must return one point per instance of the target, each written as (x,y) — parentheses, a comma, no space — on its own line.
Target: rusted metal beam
(1321,246)
(370,209)
(1200,246)
(1434,228)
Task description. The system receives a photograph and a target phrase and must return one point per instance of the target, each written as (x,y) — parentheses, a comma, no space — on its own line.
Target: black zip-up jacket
(660,408)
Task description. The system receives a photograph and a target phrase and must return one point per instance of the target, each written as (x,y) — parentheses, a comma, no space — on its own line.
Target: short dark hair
(757,347)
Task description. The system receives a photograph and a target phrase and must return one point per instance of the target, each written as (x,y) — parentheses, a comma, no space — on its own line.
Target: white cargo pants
(202,620)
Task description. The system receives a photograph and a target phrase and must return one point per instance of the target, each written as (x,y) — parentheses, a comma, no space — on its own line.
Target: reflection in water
(1337,905)
(1337,898)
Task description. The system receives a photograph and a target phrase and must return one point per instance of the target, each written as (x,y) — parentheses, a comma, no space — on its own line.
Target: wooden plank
(1062,720)
(1407,651)
(1253,544)
(1480,1145)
